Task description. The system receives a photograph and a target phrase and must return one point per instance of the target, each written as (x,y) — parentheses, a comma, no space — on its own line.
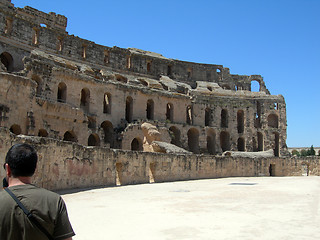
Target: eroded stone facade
(60,86)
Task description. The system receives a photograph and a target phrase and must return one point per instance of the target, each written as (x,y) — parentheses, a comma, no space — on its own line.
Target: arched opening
(108,133)
(208,76)
(148,66)
(193,140)
(16,129)
(85,99)
(8,27)
(241,144)
(128,62)
(276,145)
(260,141)
(257,122)
(169,70)
(240,121)
(7,61)
(150,109)
(69,136)
(207,117)
(169,113)
(189,73)
(272,170)
(92,122)
(136,144)
(62,92)
(35,36)
(107,103)
(224,141)
(119,168)
(189,114)
(93,140)
(224,118)
(106,57)
(38,80)
(42,133)
(211,141)
(255,86)
(121,78)
(129,109)
(152,171)
(273,121)
(226,87)
(175,136)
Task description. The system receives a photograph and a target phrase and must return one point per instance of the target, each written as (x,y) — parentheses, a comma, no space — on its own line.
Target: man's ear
(8,170)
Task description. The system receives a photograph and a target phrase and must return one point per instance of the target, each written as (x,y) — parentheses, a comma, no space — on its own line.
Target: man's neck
(19,181)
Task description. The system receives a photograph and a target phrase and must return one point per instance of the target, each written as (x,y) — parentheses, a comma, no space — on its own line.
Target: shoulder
(44,193)
(33,192)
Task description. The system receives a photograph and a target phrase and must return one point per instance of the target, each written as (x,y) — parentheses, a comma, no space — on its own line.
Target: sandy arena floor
(228,208)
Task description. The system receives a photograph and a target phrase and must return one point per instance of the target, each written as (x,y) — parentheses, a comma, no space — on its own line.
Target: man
(47,207)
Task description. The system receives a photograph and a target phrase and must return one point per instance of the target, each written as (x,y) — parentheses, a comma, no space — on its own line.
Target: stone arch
(169,113)
(225,141)
(150,109)
(189,115)
(62,92)
(193,140)
(70,136)
(175,135)
(38,81)
(136,144)
(148,66)
(224,118)
(85,99)
(93,140)
(16,129)
(276,144)
(42,133)
(7,61)
(240,121)
(108,132)
(107,100)
(207,117)
(273,120)
(121,78)
(169,70)
(211,141)
(129,63)
(260,141)
(241,144)
(226,87)
(255,86)
(129,109)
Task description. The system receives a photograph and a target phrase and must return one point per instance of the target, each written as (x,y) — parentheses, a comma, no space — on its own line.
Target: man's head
(22,160)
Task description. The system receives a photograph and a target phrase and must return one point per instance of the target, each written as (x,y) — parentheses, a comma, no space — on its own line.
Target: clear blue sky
(278,39)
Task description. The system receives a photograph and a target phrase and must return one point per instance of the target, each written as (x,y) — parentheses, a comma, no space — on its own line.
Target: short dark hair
(22,159)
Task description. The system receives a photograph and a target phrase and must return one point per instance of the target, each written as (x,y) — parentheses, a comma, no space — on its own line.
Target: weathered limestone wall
(65,165)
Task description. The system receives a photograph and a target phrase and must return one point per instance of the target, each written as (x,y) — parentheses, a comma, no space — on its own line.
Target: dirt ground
(227,208)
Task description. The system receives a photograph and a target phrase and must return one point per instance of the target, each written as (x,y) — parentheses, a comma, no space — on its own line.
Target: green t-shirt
(47,207)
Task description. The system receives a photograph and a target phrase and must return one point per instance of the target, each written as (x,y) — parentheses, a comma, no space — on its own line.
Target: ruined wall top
(50,20)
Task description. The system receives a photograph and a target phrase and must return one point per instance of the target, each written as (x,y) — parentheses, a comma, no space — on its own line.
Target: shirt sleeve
(63,228)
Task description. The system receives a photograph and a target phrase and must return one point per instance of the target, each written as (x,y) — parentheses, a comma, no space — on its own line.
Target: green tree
(295,152)
(304,153)
(312,151)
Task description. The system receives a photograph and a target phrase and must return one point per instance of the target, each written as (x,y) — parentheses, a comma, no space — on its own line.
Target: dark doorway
(272,169)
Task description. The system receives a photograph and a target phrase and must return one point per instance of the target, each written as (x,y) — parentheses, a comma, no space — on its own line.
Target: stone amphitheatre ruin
(109,116)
